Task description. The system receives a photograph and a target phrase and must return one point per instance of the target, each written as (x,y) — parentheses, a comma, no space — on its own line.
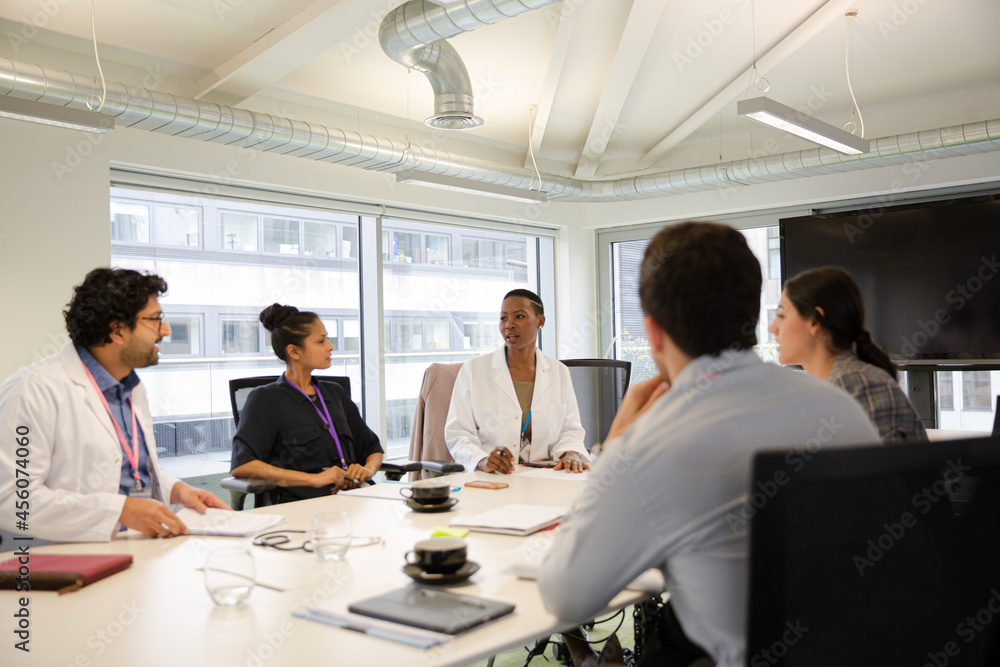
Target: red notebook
(61,572)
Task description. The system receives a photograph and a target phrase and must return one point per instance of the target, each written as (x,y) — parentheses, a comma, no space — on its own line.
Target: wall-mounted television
(929,274)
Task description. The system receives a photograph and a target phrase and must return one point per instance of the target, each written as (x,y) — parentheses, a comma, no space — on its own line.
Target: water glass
(330,535)
(229,575)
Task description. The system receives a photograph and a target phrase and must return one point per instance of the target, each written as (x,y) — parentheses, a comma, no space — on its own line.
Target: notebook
(61,572)
(513,519)
(432,609)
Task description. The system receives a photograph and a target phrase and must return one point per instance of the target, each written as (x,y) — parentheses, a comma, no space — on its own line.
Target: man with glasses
(81,461)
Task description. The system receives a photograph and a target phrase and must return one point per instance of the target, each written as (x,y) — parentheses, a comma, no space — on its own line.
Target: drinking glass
(229,575)
(330,535)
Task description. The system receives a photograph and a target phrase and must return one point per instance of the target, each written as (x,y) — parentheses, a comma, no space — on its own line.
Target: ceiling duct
(155,111)
(413,35)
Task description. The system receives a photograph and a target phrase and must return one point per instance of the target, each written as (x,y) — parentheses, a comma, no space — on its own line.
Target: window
(239,232)
(438,334)
(400,246)
(629,330)
(129,222)
(331,332)
(976,390)
(240,336)
(946,390)
(437,249)
(281,236)
(352,336)
(228,258)
(177,226)
(320,240)
(185,336)
(407,336)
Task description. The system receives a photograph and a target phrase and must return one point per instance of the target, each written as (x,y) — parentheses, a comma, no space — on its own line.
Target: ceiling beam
(808,29)
(643,19)
(557,65)
(288,46)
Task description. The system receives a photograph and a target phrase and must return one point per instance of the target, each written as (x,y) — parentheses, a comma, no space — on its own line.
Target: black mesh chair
(599,385)
(884,554)
(263,491)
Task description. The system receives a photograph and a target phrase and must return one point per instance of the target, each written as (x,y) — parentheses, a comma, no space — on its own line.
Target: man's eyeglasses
(159,319)
(283,541)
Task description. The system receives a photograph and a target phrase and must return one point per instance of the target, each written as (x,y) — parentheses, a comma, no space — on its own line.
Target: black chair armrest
(395,470)
(247,484)
(442,467)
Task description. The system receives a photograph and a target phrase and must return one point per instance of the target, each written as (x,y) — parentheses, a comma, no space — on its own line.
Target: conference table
(157,612)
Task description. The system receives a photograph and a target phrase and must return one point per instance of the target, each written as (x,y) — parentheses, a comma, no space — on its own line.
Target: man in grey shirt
(671,487)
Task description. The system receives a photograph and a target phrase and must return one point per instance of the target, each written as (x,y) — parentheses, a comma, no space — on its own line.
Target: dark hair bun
(275,315)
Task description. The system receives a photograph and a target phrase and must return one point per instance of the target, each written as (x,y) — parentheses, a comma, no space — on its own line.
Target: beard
(140,355)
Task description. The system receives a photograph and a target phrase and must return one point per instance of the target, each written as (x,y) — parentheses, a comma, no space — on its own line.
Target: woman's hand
(357,473)
(572,462)
(336,477)
(500,460)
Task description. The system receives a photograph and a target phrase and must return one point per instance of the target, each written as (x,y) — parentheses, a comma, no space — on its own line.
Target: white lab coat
(485,413)
(74,456)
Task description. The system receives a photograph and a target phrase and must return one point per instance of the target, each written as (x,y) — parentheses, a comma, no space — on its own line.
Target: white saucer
(439,507)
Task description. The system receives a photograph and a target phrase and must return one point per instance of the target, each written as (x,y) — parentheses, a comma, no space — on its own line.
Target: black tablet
(432,609)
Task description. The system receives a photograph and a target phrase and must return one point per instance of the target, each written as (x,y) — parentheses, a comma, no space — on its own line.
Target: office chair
(427,443)
(872,553)
(996,420)
(599,385)
(264,491)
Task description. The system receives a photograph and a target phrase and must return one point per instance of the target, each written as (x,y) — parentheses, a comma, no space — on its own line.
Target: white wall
(53,230)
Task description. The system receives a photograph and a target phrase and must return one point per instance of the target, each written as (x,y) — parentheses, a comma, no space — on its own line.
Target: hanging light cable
(531,149)
(850,126)
(104,88)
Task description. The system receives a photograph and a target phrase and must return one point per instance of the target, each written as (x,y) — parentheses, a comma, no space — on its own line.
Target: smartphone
(479,484)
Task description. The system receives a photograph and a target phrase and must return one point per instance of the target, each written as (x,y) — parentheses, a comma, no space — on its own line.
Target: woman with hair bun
(820,325)
(306,437)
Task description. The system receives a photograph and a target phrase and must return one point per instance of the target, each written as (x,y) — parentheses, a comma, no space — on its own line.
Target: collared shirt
(881,397)
(674,492)
(118,395)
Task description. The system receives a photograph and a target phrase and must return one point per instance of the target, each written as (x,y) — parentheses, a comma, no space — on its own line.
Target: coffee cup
(428,491)
(438,555)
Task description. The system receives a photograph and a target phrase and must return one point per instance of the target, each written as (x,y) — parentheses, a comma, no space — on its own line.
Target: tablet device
(432,609)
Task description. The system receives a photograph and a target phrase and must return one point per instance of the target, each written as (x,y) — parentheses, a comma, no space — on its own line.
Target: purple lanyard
(328,422)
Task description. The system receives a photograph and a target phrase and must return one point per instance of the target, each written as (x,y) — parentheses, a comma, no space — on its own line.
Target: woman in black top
(284,434)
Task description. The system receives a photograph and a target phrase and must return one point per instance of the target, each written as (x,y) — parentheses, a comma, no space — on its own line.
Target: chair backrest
(240,388)
(599,385)
(427,441)
(880,555)
(996,420)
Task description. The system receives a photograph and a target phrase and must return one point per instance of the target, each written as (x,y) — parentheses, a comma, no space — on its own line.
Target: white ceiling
(611,78)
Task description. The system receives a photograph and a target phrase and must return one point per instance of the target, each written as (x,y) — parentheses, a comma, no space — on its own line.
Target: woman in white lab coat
(515,404)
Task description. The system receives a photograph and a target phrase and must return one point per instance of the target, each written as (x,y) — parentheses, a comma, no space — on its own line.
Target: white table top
(158,612)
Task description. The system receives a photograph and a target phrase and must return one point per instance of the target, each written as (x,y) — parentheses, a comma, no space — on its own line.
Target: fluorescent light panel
(455,184)
(777,115)
(51,114)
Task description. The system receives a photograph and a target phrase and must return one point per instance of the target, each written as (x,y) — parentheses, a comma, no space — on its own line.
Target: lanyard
(328,422)
(528,418)
(132,456)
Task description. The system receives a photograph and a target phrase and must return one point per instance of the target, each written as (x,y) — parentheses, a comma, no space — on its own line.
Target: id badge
(141,491)
(525,450)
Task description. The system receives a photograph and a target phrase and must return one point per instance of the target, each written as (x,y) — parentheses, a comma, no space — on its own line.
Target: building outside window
(129,222)
(240,336)
(977,393)
(281,236)
(177,226)
(239,232)
(185,336)
(946,390)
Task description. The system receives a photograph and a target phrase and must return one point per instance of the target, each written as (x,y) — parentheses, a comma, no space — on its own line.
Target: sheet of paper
(513,519)
(387,490)
(226,523)
(551,474)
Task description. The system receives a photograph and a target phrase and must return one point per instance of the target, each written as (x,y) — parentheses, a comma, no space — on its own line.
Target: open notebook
(513,519)
(226,523)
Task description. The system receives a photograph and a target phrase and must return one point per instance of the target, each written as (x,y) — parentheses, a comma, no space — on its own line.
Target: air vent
(454,121)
